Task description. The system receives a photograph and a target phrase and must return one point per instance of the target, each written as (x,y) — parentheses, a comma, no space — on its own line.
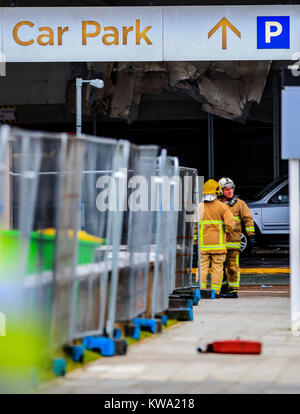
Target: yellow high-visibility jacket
(214,224)
(241,213)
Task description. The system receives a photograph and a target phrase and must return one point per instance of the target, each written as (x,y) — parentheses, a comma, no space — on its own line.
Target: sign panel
(177,33)
(50,34)
(290,121)
(273,32)
(231,32)
(1,41)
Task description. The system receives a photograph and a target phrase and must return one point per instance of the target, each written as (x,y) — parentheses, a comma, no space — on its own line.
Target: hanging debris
(225,89)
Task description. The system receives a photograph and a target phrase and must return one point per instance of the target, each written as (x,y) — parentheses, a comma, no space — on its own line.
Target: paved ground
(281,290)
(276,257)
(266,272)
(169,363)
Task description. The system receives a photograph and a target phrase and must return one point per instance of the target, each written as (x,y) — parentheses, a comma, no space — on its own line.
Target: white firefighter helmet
(226,182)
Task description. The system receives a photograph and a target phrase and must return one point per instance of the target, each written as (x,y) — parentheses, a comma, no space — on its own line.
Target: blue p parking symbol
(273,32)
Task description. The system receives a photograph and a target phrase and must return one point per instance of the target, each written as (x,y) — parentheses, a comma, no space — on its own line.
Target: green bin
(41,251)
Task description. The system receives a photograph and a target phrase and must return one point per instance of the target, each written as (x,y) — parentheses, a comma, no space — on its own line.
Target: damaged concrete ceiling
(225,89)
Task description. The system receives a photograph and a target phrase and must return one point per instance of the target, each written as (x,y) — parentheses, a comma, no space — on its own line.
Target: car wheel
(245,245)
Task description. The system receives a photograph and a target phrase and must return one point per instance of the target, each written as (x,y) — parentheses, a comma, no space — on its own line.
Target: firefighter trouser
(232,269)
(215,263)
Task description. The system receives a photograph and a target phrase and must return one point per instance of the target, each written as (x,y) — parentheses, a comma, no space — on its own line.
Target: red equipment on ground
(232,347)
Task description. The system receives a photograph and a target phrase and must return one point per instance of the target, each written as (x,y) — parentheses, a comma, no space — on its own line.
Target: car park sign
(273,32)
(171,33)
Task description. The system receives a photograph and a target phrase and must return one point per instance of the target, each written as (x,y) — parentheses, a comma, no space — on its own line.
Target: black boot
(224,288)
(230,295)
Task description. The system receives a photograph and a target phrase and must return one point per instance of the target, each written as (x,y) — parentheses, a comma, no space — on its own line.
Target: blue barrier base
(136,334)
(181,314)
(163,318)
(117,334)
(195,300)
(198,293)
(176,301)
(208,293)
(76,352)
(105,346)
(191,314)
(120,346)
(59,367)
(192,293)
(132,331)
(146,323)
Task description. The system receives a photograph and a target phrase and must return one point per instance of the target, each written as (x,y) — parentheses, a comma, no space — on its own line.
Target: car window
(282,196)
(268,188)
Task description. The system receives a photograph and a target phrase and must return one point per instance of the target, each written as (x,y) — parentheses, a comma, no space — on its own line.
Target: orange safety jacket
(217,220)
(241,213)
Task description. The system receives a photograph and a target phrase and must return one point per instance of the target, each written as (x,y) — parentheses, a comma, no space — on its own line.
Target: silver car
(270,212)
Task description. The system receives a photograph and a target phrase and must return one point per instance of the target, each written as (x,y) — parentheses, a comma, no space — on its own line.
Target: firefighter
(241,214)
(215,220)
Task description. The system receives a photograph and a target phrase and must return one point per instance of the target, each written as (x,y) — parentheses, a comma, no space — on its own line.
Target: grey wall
(34,83)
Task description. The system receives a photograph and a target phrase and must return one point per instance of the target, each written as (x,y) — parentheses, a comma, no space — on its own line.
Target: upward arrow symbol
(224,23)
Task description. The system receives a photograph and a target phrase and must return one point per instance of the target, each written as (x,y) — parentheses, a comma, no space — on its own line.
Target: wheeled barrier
(130,298)
(185,230)
(185,277)
(88,240)
(103,192)
(38,245)
(165,225)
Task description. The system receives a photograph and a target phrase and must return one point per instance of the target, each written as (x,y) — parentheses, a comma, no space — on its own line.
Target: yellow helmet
(212,187)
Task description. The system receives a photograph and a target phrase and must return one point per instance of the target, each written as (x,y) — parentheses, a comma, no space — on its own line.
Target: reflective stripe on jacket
(216,221)
(241,213)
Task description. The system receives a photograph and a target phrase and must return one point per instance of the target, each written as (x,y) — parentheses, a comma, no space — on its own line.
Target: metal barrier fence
(185,229)
(165,226)
(42,175)
(130,298)
(75,259)
(66,240)
(103,192)
(64,291)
